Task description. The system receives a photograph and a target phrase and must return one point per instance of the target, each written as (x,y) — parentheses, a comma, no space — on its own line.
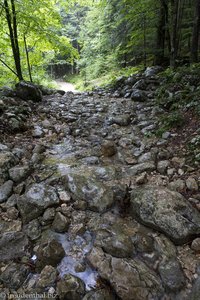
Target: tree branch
(5,64)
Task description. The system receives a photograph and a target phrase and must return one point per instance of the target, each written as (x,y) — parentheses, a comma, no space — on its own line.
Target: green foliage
(168,121)
(180,88)
(108,80)
(40,23)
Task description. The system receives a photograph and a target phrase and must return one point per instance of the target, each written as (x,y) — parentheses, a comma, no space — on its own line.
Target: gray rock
(131,279)
(12,201)
(18,174)
(97,196)
(16,125)
(7,160)
(192,184)
(49,253)
(166,135)
(195,246)
(28,91)
(165,211)
(6,190)
(38,132)
(10,225)
(36,200)
(142,167)
(48,277)
(163,166)
(177,185)
(100,294)
(3,147)
(49,215)
(172,275)
(60,223)
(140,84)
(92,160)
(33,229)
(13,245)
(145,157)
(194,295)
(138,95)
(14,275)
(70,287)
(151,71)
(115,242)
(123,120)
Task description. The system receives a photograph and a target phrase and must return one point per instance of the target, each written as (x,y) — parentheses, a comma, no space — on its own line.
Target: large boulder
(34,202)
(131,279)
(28,91)
(166,211)
(97,196)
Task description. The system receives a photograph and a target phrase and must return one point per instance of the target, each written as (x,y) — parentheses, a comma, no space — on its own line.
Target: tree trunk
(27,58)
(161,31)
(173,36)
(195,34)
(12,26)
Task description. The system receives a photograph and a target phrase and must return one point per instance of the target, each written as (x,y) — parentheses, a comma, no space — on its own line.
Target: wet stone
(131,279)
(100,294)
(14,275)
(97,196)
(48,277)
(36,200)
(115,242)
(70,287)
(49,253)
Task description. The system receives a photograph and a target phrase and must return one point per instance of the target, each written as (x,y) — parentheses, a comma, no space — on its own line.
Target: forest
(95,38)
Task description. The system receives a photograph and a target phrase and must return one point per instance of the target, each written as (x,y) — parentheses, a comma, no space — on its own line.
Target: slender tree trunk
(12,26)
(161,32)
(27,58)
(196,32)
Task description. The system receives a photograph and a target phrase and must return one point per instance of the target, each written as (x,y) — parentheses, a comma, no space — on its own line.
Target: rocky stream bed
(92,205)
